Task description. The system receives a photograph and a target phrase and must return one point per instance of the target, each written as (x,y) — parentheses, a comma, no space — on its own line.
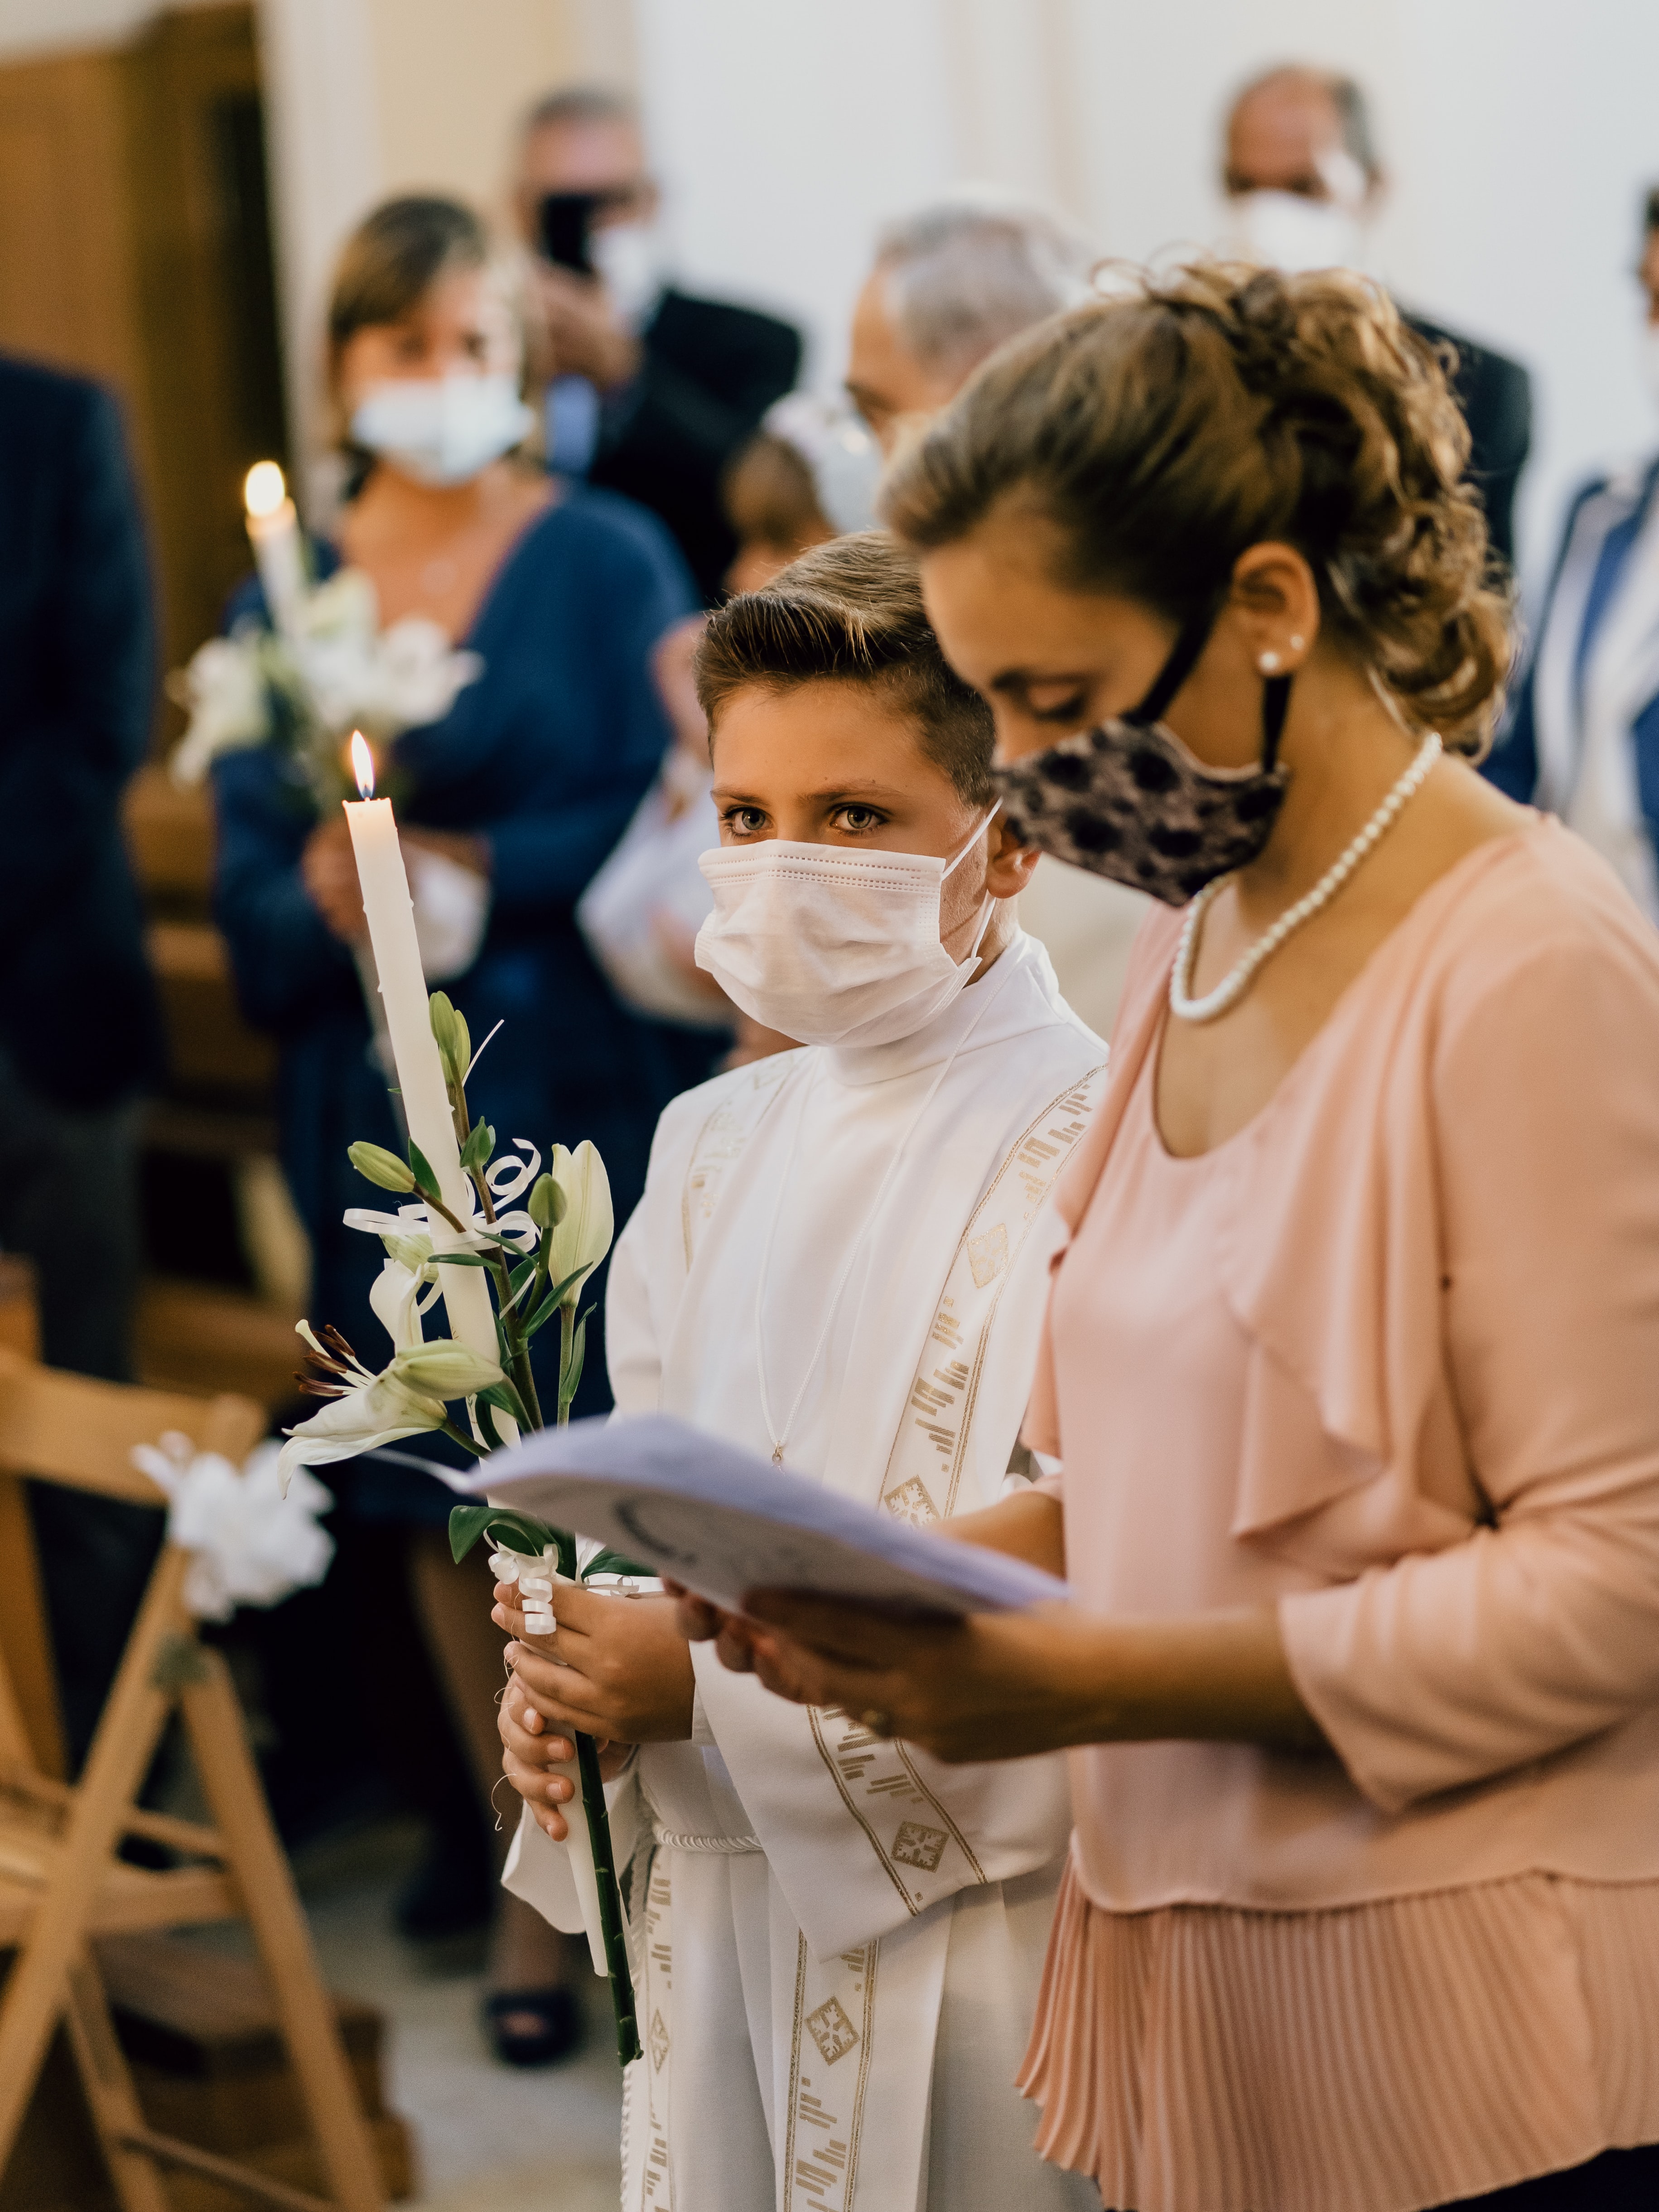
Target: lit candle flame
(264,490)
(363,764)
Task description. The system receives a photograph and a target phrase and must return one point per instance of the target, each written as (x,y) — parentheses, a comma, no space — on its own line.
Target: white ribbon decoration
(248,1544)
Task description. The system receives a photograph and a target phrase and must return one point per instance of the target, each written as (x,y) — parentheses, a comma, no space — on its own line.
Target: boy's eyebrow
(855,791)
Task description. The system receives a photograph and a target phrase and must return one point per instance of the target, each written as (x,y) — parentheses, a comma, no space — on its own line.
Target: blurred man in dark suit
(1304,178)
(652,390)
(80,1035)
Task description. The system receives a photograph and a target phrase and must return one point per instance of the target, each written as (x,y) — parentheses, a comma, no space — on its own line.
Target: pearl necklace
(1233,986)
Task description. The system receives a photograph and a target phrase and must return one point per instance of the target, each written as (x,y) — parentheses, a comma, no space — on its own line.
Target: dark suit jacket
(1496,395)
(77,668)
(710,372)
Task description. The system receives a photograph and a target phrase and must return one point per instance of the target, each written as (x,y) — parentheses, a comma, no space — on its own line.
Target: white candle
(273,529)
(390,913)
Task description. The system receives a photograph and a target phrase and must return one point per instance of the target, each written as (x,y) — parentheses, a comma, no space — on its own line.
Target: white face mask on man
(442,429)
(832,943)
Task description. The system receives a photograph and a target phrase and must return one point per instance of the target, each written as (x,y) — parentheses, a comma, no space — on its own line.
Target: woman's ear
(1011,864)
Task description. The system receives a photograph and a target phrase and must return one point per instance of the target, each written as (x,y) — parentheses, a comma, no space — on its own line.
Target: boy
(840,1261)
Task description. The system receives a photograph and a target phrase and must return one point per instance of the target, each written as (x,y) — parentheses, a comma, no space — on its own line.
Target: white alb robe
(839,1939)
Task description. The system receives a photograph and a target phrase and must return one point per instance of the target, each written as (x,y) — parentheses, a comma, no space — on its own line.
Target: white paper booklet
(723,1521)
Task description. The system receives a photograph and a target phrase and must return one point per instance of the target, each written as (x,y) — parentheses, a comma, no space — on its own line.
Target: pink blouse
(1387,1358)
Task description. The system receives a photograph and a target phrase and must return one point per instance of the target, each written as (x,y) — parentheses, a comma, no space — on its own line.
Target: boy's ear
(1012,865)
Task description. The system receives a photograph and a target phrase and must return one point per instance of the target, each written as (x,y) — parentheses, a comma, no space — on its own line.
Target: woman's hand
(615,1667)
(1004,1686)
(329,872)
(328,869)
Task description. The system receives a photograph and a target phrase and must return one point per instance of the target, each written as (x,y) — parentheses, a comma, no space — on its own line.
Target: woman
(526,784)
(1349,1363)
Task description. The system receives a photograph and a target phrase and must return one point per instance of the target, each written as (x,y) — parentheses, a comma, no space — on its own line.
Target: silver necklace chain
(1233,985)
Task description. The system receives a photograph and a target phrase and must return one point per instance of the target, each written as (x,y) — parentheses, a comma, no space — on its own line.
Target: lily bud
(412,1252)
(582,1232)
(547,1204)
(455,1045)
(462,1044)
(381,1166)
(444,1369)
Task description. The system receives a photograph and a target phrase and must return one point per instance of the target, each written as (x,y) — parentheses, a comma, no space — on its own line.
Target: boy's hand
(617,1668)
(529,1752)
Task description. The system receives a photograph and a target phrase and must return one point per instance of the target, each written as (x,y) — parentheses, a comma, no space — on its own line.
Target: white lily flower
(447,1369)
(377,1412)
(582,1236)
(395,1294)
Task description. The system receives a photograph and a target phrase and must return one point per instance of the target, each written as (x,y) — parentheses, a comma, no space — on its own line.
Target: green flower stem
(610,1911)
(605,1859)
(512,1323)
(567,1351)
(447,1428)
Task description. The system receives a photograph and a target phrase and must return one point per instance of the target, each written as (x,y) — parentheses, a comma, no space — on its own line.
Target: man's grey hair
(1346,94)
(973,269)
(581,103)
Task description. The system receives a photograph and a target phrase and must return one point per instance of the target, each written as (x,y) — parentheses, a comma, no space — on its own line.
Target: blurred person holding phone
(651,391)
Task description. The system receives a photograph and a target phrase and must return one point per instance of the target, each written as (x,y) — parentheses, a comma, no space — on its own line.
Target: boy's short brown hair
(851,612)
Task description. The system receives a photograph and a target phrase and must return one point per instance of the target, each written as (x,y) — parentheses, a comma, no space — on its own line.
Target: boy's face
(832,763)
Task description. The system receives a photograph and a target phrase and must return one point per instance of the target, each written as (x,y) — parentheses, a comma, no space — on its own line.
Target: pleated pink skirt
(1382,2058)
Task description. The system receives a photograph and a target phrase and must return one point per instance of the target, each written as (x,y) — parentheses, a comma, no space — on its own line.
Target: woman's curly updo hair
(1164,430)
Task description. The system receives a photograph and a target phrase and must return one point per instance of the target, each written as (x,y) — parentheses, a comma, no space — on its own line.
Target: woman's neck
(1345,752)
(395,507)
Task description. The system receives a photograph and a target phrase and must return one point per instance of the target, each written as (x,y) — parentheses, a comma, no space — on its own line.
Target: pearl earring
(1297,644)
(1268,664)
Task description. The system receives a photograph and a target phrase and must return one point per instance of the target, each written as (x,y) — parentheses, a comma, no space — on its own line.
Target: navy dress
(545,755)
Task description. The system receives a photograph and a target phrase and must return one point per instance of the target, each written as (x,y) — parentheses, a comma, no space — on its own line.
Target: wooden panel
(209,1046)
(206,301)
(25,1643)
(170,837)
(71,1430)
(66,283)
(197,1336)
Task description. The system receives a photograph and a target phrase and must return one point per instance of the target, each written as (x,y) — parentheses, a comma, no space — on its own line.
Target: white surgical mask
(442,429)
(1284,230)
(832,943)
(628,263)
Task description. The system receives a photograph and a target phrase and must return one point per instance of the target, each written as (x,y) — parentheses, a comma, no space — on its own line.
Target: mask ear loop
(988,909)
(1275,705)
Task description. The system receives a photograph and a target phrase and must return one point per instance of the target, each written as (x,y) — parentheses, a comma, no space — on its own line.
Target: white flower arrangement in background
(306,688)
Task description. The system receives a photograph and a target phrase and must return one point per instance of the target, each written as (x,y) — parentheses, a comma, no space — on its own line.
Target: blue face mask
(1127,800)
(442,429)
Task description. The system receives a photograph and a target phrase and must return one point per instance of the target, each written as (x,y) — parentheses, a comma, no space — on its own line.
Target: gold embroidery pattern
(831,2030)
(919,1846)
(933,1440)
(826,2116)
(646,2084)
(722,1140)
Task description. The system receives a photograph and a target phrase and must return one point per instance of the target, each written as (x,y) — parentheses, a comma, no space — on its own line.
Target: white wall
(1518,131)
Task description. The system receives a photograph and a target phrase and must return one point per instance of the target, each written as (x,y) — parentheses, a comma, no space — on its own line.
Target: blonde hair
(1166,429)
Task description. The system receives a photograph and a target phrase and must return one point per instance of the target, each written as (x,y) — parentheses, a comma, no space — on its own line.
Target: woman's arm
(1006,1686)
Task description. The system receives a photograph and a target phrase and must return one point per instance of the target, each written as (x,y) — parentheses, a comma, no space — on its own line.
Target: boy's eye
(857,819)
(746,820)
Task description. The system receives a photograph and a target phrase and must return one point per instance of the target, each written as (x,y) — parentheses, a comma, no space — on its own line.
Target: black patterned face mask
(1128,800)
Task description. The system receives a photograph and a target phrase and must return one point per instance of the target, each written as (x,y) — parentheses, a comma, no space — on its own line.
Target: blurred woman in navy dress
(519,792)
